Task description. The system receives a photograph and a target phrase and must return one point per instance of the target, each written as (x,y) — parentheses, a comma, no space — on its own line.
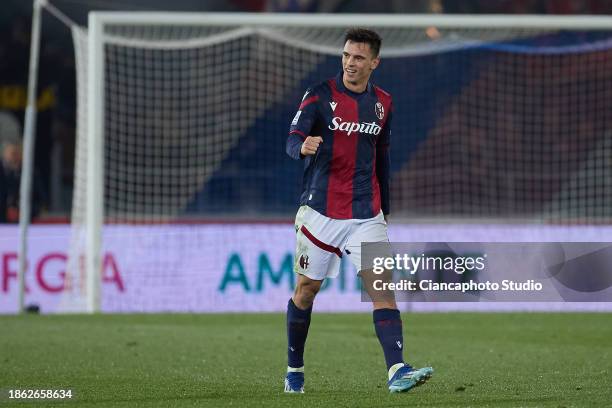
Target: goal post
(29,136)
(94,210)
(173,109)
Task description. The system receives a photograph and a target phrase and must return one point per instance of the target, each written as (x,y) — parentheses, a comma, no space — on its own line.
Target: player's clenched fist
(310,145)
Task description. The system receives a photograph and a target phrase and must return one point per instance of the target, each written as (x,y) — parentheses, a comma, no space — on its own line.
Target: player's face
(358,62)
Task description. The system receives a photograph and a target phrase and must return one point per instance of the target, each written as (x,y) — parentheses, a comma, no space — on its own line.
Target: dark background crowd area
(54,162)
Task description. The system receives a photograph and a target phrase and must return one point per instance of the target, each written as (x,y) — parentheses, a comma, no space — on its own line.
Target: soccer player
(345,198)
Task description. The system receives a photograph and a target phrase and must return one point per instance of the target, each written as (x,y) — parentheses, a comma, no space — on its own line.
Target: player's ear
(375,63)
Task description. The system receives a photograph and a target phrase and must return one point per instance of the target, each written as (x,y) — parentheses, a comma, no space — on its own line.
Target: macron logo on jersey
(349,127)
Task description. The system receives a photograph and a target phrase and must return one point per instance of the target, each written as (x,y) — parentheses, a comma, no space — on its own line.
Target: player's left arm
(383,164)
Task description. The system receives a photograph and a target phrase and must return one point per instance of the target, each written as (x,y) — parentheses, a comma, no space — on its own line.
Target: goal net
(183,117)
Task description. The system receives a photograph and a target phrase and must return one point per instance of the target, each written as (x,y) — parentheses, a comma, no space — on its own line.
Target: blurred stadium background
(500,135)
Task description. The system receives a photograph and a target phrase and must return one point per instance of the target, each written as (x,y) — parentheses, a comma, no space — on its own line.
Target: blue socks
(298,321)
(388,325)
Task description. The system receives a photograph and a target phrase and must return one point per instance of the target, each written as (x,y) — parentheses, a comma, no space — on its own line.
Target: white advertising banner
(234,267)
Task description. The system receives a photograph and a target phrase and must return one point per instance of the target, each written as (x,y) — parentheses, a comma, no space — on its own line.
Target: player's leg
(299,310)
(389,330)
(314,261)
(386,316)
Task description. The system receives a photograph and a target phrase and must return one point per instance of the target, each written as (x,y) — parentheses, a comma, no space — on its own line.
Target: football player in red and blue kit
(345,198)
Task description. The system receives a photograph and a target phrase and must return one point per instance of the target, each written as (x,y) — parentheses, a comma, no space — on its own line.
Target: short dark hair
(363,35)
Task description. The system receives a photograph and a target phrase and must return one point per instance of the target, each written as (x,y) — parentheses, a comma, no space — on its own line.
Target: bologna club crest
(304,262)
(380,111)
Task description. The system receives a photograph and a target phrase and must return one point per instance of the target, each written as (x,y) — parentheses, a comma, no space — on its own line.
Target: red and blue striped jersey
(348,177)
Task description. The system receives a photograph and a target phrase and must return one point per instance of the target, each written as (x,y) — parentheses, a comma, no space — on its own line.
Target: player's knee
(304,300)
(305,292)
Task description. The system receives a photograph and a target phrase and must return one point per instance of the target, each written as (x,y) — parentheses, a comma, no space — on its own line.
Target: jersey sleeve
(302,124)
(383,166)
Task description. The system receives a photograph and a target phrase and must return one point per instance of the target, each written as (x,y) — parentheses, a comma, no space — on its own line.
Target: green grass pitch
(480,360)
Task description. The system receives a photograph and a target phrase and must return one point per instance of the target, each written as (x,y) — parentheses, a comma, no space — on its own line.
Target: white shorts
(323,241)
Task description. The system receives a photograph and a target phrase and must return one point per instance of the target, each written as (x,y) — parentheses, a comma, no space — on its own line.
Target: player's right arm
(299,144)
